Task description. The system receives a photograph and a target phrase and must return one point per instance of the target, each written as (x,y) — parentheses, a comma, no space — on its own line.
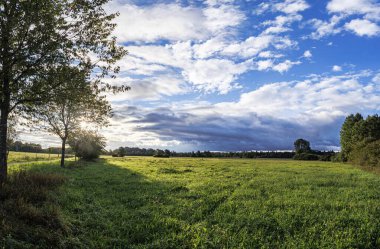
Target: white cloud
(161,21)
(215,74)
(376,79)
(151,88)
(307,54)
(270,54)
(369,8)
(285,66)
(264,65)
(319,98)
(209,48)
(172,21)
(221,17)
(337,68)
(250,47)
(288,6)
(197,38)
(281,24)
(325,28)
(291,6)
(366,25)
(363,27)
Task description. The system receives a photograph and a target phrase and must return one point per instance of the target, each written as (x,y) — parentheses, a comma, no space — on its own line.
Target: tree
(167,153)
(347,134)
(121,152)
(87,145)
(359,139)
(302,146)
(73,102)
(39,36)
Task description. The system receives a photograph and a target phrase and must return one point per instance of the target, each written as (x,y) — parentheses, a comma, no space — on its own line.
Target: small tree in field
(72,103)
(87,145)
(302,146)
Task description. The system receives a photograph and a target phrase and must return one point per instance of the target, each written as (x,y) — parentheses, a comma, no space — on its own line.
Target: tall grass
(29,214)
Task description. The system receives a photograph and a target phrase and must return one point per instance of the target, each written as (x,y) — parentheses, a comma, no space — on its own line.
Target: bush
(87,145)
(306,157)
(116,155)
(326,158)
(367,155)
(338,157)
(163,156)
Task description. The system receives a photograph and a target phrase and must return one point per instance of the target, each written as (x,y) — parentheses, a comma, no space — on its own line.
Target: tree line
(19,146)
(135,151)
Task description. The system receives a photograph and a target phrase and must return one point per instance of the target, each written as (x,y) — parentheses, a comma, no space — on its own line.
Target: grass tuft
(28,211)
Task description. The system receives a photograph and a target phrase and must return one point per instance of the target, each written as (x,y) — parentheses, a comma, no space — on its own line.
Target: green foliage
(161,153)
(360,139)
(72,102)
(367,155)
(338,157)
(306,157)
(302,146)
(347,134)
(40,37)
(145,202)
(87,145)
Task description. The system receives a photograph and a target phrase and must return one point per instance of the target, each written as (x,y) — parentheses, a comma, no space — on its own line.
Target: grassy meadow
(144,202)
(16,157)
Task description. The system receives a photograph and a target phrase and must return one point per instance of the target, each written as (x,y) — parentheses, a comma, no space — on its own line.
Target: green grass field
(138,202)
(15,157)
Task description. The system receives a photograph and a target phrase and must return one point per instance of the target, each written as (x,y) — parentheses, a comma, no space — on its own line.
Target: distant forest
(19,146)
(134,151)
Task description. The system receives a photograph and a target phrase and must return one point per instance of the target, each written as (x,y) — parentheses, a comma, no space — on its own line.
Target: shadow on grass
(174,205)
(28,214)
(103,205)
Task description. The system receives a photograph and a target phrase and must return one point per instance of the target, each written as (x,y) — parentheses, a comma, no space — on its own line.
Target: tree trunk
(63,152)
(3,145)
(5,98)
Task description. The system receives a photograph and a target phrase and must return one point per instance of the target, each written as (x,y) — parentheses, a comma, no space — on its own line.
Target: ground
(145,202)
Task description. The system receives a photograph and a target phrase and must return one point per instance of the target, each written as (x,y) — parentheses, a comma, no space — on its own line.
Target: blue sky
(242,75)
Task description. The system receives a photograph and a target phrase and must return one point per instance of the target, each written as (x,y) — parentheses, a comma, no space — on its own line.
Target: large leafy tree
(359,139)
(349,133)
(72,103)
(39,36)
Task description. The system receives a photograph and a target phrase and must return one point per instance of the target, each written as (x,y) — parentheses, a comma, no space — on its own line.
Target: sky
(225,75)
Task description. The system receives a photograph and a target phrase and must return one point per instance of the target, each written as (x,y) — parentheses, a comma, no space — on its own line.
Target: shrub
(326,158)
(87,145)
(306,157)
(163,156)
(367,155)
(338,157)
